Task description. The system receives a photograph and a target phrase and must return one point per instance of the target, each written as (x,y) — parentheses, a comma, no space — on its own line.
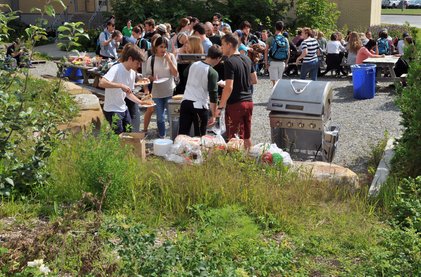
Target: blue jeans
(312,68)
(161,105)
(119,121)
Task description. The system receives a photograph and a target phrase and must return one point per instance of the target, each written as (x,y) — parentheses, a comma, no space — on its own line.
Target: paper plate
(161,80)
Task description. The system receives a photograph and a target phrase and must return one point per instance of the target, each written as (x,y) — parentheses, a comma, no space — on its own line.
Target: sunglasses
(216,25)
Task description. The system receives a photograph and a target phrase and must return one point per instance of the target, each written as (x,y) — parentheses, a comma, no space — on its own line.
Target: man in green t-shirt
(127,30)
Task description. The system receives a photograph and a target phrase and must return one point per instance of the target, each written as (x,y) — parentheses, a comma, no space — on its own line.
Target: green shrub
(317,14)
(31,111)
(407,159)
(85,163)
(407,206)
(220,242)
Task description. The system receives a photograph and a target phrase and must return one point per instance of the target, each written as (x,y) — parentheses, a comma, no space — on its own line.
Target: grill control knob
(301,125)
(312,125)
(278,124)
(289,124)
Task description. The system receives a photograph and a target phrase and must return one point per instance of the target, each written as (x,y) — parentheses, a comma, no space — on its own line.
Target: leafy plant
(6,16)
(71,33)
(317,14)
(28,129)
(407,159)
(47,9)
(407,206)
(34,35)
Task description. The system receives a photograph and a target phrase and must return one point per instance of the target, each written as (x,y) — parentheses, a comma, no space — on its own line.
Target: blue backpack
(383,45)
(279,48)
(147,44)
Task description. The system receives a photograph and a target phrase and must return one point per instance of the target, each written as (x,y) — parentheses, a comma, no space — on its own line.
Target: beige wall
(359,14)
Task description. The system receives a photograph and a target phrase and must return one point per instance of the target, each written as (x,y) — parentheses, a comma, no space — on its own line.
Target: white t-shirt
(334,47)
(114,97)
(401,44)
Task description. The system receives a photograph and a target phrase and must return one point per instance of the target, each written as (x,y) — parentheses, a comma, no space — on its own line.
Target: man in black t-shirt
(237,96)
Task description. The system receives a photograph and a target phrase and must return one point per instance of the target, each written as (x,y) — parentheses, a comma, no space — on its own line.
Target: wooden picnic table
(387,62)
(87,71)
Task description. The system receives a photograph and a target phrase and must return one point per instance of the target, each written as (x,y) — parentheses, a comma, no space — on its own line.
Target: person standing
(277,53)
(162,65)
(236,96)
(127,30)
(310,63)
(149,29)
(201,87)
(118,83)
(109,41)
(199,30)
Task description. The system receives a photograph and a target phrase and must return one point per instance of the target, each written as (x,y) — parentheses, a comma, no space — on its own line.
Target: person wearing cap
(127,30)
(401,43)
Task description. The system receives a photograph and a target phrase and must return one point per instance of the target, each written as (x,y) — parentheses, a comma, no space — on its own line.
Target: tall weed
(99,165)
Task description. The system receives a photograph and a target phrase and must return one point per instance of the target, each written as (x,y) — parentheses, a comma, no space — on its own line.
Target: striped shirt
(311,45)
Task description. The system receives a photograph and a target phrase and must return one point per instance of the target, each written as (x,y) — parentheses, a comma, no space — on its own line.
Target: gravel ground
(362,122)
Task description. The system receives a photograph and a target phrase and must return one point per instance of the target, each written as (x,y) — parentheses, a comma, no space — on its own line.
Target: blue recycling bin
(74,74)
(364,80)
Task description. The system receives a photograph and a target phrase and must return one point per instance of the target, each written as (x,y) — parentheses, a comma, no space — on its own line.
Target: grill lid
(301,96)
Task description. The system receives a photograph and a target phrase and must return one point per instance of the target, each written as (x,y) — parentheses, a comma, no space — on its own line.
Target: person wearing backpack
(109,41)
(276,53)
(383,44)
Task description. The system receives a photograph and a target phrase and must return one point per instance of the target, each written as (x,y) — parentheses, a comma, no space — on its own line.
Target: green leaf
(10,181)
(49,10)
(63,29)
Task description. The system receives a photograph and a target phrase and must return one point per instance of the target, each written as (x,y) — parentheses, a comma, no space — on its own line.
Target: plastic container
(161,147)
(74,74)
(364,80)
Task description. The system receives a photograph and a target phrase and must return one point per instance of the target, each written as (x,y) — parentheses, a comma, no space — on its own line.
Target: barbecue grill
(300,118)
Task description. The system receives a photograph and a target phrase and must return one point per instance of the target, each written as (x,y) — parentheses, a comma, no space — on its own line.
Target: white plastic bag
(259,149)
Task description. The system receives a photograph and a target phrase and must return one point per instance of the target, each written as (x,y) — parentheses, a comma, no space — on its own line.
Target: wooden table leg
(85,77)
(392,72)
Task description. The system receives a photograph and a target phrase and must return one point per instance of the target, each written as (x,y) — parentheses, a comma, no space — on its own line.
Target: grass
(402,12)
(228,217)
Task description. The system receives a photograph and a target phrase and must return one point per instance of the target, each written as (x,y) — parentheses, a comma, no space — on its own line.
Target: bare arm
(303,54)
(173,67)
(226,93)
(266,55)
(104,83)
(253,78)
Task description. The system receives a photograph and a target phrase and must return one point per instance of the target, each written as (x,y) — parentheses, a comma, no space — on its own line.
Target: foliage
(71,33)
(34,35)
(407,206)
(5,18)
(222,242)
(97,165)
(260,12)
(398,254)
(70,245)
(32,109)
(407,159)
(47,9)
(86,44)
(393,30)
(317,14)
(377,154)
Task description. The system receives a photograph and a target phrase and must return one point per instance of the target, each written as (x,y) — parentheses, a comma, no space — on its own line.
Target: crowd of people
(235,56)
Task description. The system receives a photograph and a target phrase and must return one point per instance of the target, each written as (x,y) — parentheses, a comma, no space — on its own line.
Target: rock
(328,172)
(84,120)
(87,102)
(74,89)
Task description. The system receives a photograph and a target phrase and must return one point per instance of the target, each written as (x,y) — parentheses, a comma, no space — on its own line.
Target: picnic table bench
(388,63)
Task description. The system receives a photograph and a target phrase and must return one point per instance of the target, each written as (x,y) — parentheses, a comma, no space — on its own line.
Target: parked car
(413,4)
(390,3)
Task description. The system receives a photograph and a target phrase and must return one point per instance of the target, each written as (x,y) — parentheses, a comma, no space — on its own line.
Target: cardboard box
(137,141)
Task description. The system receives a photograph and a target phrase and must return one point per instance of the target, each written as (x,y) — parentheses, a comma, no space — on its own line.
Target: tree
(317,14)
